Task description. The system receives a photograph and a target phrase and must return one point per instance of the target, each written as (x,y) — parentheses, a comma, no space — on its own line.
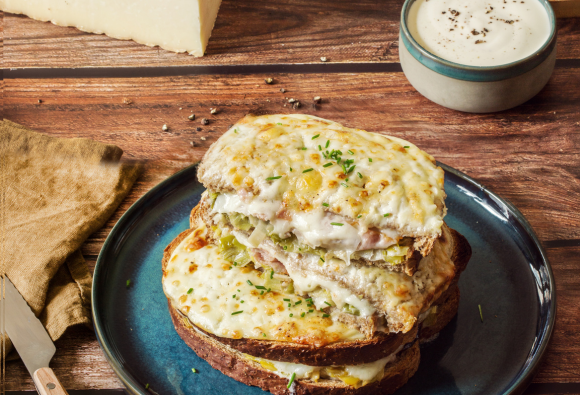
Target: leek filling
(394,255)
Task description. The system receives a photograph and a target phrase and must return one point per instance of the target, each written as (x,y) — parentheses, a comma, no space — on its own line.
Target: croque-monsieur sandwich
(316,260)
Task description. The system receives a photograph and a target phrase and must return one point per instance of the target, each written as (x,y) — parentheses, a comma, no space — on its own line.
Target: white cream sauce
(479,32)
(313,228)
(363,372)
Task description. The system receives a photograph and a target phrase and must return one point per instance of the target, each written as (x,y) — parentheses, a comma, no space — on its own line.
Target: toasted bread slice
(440,314)
(233,363)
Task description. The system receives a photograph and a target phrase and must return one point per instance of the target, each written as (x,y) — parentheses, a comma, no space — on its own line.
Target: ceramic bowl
(477,89)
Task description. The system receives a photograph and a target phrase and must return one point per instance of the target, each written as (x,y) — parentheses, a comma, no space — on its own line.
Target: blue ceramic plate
(508,275)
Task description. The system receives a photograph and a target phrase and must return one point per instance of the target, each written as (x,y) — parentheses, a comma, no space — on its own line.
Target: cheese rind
(177,25)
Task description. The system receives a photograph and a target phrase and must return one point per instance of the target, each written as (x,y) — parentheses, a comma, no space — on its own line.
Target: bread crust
(223,358)
(447,306)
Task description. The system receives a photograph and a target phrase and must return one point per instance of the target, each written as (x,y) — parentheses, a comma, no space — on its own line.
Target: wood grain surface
(246,32)
(529,155)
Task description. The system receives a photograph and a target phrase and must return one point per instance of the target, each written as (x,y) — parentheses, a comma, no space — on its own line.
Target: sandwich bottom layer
(251,372)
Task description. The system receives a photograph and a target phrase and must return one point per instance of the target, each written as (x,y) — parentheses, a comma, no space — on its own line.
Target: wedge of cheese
(175,25)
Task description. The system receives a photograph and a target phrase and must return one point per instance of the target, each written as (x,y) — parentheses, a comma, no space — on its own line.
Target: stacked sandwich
(317,260)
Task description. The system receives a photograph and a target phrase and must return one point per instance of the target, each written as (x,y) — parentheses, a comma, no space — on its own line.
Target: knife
(30,339)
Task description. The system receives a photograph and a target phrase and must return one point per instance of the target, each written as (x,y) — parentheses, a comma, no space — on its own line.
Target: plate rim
(135,387)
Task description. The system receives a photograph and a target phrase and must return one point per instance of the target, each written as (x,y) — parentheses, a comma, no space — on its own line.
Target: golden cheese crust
(386,183)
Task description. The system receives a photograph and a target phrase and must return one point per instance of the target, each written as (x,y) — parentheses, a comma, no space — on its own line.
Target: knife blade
(30,339)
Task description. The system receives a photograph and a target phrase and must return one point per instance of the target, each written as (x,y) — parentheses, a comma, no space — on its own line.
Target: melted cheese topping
(401,298)
(273,167)
(229,301)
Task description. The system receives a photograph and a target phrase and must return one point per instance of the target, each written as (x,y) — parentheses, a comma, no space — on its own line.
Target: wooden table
(67,83)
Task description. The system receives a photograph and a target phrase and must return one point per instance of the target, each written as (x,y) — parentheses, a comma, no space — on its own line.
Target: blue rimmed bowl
(477,89)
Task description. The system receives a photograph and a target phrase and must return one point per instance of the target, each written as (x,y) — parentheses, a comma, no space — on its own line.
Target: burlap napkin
(55,192)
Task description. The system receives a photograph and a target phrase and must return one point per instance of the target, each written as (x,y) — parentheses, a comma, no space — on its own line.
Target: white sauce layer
(313,228)
(363,372)
(479,32)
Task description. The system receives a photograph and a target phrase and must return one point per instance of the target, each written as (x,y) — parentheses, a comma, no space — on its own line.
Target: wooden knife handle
(47,383)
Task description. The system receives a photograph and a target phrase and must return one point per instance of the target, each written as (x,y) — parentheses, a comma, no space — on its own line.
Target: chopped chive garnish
(250,283)
(303,314)
(286,300)
(273,178)
(147,386)
(315,137)
(278,123)
(480,312)
(336,223)
(303,148)
(285,247)
(325,315)
(327,303)
(289,304)
(344,185)
(311,311)
(235,263)
(290,169)
(319,147)
(327,143)
(370,159)
(128,283)
(291,380)
(234,296)
(358,216)
(346,180)
(261,292)
(239,290)
(359,175)
(309,299)
(264,334)
(237,312)
(190,290)
(193,370)
(241,301)
(260,287)
(328,164)
(325,204)
(387,215)
(321,259)
(297,303)
(350,152)
(406,146)
(272,274)
(269,289)
(291,315)
(307,170)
